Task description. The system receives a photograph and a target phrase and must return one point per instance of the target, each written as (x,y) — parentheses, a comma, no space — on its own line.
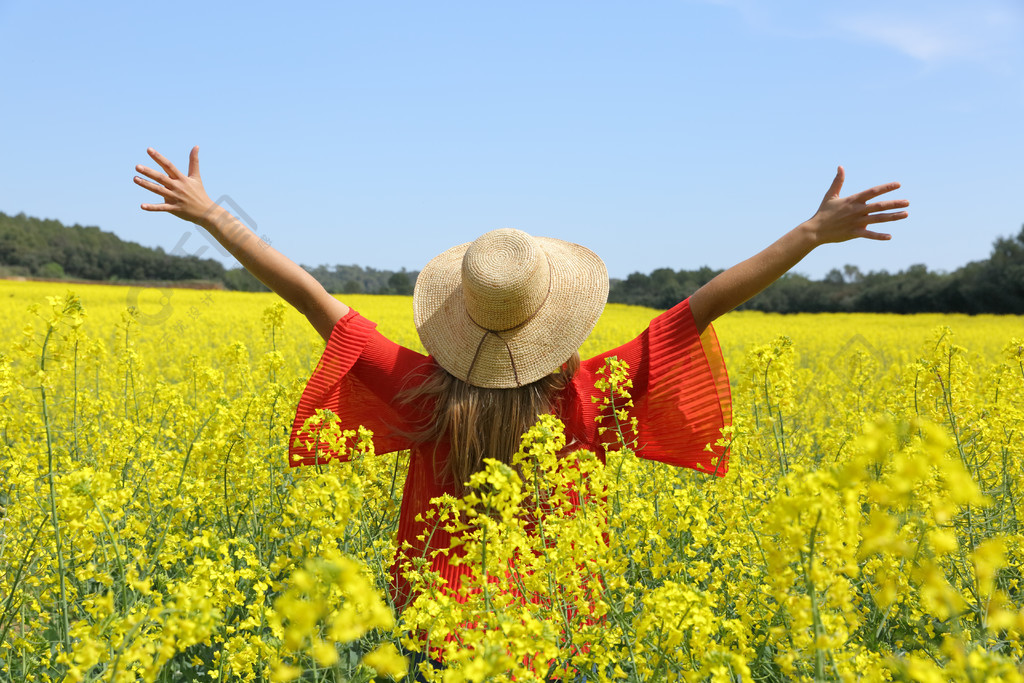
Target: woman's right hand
(183,195)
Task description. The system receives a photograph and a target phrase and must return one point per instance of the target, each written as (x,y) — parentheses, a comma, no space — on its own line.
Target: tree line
(34,247)
(45,248)
(993,285)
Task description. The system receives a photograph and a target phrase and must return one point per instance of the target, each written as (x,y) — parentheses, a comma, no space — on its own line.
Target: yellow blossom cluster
(150,528)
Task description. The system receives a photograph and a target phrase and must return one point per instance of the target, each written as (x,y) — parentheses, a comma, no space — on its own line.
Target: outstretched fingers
(193,162)
(880,212)
(150,173)
(872,235)
(162,184)
(182,195)
(888,205)
(165,164)
(156,207)
(886,217)
(150,185)
(871,193)
(155,189)
(837,184)
(884,212)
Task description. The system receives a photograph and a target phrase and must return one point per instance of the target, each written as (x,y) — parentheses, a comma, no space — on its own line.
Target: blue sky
(674,134)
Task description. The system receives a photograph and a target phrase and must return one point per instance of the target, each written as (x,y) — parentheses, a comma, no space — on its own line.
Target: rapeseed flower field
(150,528)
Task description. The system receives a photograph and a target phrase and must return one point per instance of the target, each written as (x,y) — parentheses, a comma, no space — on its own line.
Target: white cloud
(926,43)
(990,33)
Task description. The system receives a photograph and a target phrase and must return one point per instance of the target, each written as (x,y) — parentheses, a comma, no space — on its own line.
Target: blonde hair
(480,423)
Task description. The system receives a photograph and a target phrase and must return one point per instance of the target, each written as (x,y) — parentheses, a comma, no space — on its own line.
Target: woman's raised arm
(838,219)
(184,196)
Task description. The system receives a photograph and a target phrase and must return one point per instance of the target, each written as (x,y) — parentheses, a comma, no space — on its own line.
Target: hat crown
(505,279)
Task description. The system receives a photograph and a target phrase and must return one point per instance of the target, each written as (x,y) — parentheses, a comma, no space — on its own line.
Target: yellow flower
(386,661)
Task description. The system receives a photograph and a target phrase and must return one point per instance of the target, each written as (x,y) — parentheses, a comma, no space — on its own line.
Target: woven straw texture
(508,308)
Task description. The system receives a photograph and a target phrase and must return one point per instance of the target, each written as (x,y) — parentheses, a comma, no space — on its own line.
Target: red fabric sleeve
(357,379)
(680,392)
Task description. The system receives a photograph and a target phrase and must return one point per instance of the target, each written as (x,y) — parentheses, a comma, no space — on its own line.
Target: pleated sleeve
(357,379)
(680,393)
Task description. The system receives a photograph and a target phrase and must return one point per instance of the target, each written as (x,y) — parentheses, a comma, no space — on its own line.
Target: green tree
(399,283)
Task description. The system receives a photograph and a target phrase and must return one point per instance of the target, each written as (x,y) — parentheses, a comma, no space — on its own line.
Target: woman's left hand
(839,219)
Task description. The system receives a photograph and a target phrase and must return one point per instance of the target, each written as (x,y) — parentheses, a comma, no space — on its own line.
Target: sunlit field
(150,528)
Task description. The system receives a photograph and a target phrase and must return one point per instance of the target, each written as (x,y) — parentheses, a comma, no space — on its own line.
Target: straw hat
(508,308)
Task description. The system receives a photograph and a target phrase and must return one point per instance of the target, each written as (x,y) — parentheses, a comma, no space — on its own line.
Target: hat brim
(538,347)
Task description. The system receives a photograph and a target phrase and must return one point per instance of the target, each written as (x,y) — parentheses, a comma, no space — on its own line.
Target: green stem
(113,545)
(74,408)
(819,657)
(7,622)
(65,625)
(483,558)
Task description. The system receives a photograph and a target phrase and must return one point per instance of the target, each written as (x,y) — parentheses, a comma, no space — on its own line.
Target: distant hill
(46,248)
(43,248)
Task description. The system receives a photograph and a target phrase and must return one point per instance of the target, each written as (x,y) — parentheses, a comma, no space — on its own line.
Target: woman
(502,318)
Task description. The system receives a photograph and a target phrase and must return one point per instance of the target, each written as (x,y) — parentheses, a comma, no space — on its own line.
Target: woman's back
(680,395)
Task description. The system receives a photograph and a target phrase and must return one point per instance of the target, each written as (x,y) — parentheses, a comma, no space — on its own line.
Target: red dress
(680,393)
